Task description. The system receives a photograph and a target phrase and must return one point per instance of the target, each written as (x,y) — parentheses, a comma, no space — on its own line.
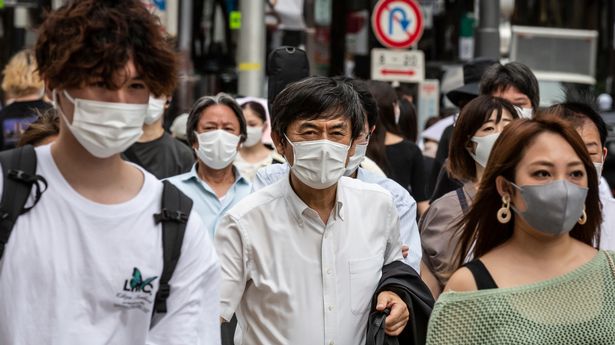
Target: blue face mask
(553,208)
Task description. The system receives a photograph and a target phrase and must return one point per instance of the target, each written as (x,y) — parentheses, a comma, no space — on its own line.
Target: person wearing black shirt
(399,158)
(156,150)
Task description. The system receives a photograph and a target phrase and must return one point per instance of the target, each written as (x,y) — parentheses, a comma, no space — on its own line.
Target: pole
(337,46)
(185,87)
(251,48)
(488,33)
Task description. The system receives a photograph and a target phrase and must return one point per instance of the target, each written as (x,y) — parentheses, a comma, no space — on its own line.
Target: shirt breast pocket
(364,276)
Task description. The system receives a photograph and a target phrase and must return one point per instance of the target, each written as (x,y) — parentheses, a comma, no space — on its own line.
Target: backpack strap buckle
(170,216)
(164,290)
(22,176)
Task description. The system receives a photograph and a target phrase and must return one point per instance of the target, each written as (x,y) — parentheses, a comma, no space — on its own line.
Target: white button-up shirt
(292,279)
(405,204)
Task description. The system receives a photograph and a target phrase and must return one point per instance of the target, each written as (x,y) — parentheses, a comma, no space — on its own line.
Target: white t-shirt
(78,272)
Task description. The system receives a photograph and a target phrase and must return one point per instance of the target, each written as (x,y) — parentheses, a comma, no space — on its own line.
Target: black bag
(285,65)
(19,172)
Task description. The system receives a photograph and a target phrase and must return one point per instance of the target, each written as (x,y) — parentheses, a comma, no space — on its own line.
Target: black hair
(500,77)
(203,103)
(317,98)
(576,113)
(367,101)
(258,109)
(408,122)
(385,98)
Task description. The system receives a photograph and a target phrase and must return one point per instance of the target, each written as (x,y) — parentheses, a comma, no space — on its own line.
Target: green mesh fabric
(576,308)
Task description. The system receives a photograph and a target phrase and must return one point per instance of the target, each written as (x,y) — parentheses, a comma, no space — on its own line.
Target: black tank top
(483,278)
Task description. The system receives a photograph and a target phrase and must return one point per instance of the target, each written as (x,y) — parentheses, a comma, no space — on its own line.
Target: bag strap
(376,327)
(462,199)
(176,207)
(19,175)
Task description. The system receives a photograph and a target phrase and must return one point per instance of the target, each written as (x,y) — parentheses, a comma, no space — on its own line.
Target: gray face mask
(553,208)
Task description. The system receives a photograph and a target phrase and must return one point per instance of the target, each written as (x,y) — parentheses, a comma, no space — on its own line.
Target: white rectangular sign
(398,65)
(429,101)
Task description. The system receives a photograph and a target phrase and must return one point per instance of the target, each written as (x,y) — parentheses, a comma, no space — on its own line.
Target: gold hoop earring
(583,218)
(504,213)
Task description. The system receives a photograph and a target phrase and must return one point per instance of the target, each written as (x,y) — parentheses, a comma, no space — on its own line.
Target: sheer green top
(575,308)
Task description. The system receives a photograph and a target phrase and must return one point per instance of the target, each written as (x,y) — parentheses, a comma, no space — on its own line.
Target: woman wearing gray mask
(477,128)
(536,277)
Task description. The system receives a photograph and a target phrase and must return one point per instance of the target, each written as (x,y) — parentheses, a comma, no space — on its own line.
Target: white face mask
(484,145)
(254,136)
(319,163)
(599,167)
(355,160)
(104,128)
(155,109)
(524,113)
(217,149)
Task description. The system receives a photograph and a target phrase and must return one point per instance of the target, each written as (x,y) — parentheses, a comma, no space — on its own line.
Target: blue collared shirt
(206,202)
(404,203)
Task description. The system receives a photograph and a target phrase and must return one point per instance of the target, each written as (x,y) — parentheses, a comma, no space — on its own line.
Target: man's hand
(398,318)
(405,250)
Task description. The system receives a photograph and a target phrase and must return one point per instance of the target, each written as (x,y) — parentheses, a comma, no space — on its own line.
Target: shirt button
(330,308)
(329,271)
(331,342)
(326,235)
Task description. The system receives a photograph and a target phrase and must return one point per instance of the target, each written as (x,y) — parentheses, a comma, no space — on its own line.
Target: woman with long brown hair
(536,278)
(479,125)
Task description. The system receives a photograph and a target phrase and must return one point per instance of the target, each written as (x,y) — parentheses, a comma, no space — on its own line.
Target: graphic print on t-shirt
(137,292)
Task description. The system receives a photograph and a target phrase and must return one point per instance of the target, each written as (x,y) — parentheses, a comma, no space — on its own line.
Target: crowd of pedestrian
(337,231)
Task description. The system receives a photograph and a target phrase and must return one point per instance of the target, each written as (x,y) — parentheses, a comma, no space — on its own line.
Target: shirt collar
(192,175)
(299,207)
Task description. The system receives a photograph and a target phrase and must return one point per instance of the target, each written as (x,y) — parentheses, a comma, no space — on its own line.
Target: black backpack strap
(174,214)
(19,173)
(463,201)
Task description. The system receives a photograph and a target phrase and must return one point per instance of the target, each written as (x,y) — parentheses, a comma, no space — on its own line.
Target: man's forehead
(588,131)
(319,122)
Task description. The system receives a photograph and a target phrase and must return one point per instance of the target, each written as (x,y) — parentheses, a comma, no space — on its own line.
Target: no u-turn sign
(397,24)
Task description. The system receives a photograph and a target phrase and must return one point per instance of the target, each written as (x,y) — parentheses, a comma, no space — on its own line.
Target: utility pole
(251,48)
(187,79)
(488,33)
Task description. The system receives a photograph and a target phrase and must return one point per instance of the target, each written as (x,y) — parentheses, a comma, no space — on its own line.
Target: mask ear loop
(293,146)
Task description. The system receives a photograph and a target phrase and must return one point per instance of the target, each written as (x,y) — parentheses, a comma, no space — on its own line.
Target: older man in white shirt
(302,257)
(360,167)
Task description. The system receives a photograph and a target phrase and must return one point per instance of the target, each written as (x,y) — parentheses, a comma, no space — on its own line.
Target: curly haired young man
(84,265)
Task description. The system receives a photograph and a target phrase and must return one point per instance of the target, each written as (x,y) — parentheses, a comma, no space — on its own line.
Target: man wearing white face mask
(216,128)
(307,251)
(156,150)
(593,130)
(356,168)
(95,240)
